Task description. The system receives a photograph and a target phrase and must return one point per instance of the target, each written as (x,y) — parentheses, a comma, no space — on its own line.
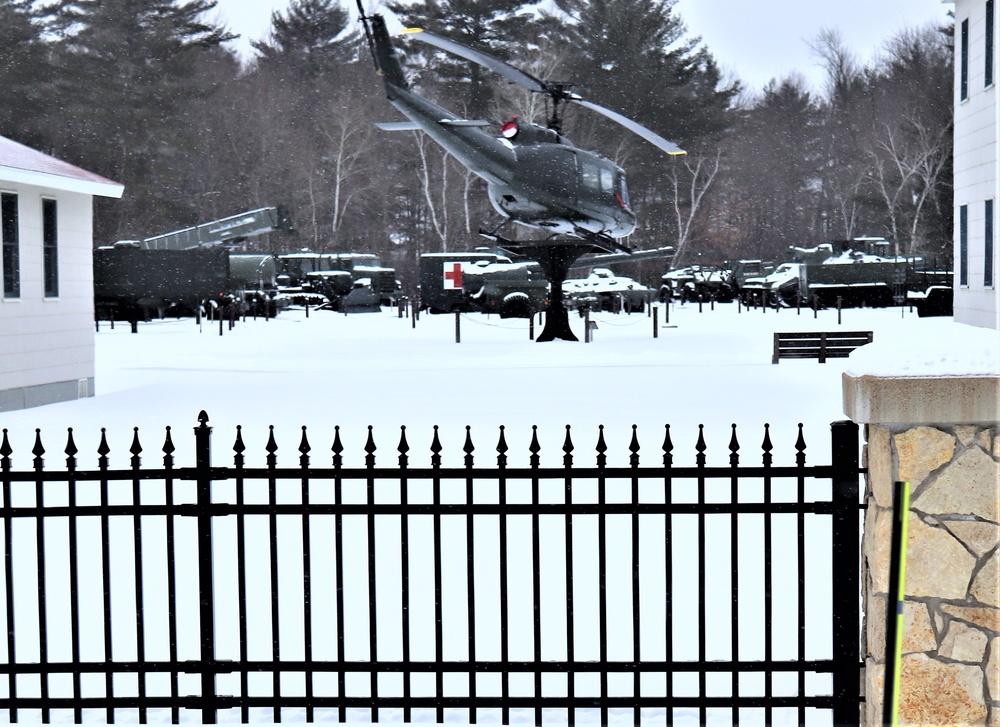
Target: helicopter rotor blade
(558,92)
(635,127)
(502,68)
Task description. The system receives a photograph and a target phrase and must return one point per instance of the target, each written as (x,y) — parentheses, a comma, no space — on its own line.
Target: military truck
(442,275)
(305,273)
(443,288)
(130,282)
(849,273)
(512,290)
(602,290)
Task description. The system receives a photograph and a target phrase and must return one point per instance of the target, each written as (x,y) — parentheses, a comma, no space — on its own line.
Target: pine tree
(310,39)
(25,72)
(502,28)
(127,72)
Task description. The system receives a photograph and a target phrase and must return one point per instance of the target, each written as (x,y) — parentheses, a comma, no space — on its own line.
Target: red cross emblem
(453,276)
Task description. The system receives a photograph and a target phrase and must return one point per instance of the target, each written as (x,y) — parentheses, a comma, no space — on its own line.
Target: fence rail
(670,592)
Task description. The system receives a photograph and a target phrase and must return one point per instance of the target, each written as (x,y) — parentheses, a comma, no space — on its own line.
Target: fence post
(206,595)
(845,572)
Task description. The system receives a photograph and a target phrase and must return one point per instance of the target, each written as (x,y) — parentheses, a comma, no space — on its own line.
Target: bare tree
(437,209)
(688,190)
(347,130)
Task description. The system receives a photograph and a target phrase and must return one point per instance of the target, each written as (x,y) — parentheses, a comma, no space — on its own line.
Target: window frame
(10,245)
(990,40)
(963,83)
(988,244)
(963,246)
(50,247)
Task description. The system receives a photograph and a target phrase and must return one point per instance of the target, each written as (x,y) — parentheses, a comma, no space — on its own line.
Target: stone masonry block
(880,467)
(987,618)
(993,670)
(986,587)
(937,564)
(963,643)
(877,545)
(978,536)
(918,635)
(970,485)
(921,451)
(934,693)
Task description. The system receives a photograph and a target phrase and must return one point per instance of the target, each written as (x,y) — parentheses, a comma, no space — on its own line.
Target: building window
(988,246)
(963,245)
(11,249)
(964,61)
(989,43)
(50,248)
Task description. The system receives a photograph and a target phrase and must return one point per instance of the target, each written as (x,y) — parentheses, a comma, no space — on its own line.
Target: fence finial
(766,444)
(337,447)
(734,448)
(800,448)
(468,447)
(71,449)
(535,447)
(602,447)
(403,447)
(633,446)
(5,450)
(38,450)
(103,449)
(502,449)
(568,449)
(668,447)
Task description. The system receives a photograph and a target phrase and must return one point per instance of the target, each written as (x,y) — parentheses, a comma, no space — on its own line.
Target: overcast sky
(755,40)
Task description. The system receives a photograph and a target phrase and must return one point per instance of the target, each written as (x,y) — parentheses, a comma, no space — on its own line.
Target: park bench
(823,345)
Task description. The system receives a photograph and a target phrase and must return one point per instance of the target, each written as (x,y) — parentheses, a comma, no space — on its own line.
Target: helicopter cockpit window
(607,180)
(590,174)
(622,189)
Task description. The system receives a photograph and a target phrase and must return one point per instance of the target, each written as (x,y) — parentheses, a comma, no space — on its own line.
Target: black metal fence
(679,594)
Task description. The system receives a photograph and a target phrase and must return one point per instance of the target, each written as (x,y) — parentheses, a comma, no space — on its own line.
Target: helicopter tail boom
(383,53)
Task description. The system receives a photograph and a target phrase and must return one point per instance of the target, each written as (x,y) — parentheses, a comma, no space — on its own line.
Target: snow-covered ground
(711,367)
(328,369)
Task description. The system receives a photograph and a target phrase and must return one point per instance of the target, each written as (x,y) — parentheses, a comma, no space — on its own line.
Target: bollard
(586,325)
(458,327)
(307,309)
(413,317)
(666,311)
(839,302)
(531,327)
(656,327)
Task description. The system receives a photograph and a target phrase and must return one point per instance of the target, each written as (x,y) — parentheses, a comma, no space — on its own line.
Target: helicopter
(535,176)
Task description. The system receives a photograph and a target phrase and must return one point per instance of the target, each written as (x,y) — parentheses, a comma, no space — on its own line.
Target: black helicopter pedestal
(554,256)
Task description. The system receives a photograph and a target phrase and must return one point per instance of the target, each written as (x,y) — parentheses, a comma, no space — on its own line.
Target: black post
(206,611)
(846,567)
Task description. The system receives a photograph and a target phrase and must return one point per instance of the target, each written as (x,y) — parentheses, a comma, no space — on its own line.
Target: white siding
(48,341)
(976,170)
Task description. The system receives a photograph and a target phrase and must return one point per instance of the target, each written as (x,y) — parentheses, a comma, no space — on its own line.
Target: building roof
(20,163)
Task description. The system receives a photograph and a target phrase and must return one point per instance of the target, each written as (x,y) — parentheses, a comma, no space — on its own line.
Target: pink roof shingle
(19,156)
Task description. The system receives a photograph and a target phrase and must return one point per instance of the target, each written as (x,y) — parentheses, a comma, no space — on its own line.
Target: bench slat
(820,345)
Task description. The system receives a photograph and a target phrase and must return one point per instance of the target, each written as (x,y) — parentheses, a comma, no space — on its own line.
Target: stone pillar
(942,435)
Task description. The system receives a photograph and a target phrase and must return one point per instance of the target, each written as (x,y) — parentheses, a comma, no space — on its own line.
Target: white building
(46,277)
(977,164)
